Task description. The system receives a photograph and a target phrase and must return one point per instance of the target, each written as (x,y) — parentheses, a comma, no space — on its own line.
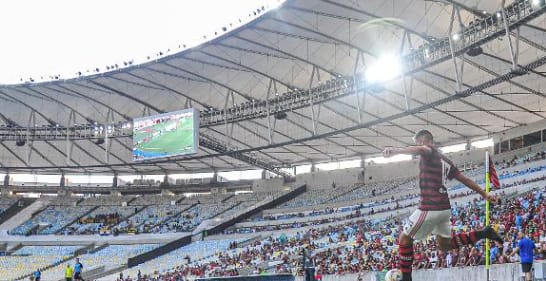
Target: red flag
(493,177)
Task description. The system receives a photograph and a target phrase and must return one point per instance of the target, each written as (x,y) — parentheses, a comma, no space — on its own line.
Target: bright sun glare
(63,37)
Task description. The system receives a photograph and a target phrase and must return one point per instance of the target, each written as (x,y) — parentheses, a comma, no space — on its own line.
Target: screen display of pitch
(166,135)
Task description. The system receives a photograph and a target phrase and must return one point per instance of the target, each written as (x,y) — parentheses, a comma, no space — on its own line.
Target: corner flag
(493,177)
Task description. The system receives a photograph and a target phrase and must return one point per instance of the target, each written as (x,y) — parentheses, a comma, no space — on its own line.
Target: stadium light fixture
(427,53)
(386,68)
(456,36)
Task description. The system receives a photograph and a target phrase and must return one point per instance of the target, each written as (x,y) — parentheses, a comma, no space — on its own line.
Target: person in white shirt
(449,259)
(433,259)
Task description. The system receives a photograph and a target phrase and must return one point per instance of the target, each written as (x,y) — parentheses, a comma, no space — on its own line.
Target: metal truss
(96,131)
(437,51)
(223,149)
(429,54)
(433,52)
(478,33)
(218,146)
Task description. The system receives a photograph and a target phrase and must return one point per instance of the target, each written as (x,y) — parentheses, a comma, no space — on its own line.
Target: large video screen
(166,135)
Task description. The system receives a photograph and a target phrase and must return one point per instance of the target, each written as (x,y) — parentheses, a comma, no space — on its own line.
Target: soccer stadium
(297,140)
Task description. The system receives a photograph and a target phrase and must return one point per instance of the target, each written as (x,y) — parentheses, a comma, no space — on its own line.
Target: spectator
(525,247)
(37,275)
(68,272)
(78,270)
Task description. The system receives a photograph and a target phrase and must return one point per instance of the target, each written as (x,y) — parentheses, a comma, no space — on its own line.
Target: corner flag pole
(487,184)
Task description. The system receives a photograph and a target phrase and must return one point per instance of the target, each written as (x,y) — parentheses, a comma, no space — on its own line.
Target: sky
(42,38)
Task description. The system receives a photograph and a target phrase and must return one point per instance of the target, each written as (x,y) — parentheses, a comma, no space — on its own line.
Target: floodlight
(456,36)
(386,68)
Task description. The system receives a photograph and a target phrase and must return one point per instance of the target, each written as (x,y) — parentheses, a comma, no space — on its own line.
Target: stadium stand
(339,233)
(368,245)
(51,220)
(352,247)
(112,256)
(299,113)
(6,203)
(29,258)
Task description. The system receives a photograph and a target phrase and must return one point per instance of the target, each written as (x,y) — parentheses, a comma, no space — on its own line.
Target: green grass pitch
(179,140)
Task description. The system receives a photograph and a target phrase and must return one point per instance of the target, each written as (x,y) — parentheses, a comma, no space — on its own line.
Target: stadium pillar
(4,190)
(6,180)
(165,180)
(362,176)
(63,181)
(264,173)
(115,181)
(313,168)
(214,177)
(468,144)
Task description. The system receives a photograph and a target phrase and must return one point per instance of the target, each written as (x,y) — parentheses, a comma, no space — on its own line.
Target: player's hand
(388,152)
(492,198)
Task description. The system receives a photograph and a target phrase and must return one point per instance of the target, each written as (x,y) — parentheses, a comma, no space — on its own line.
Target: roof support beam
(312,92)
(72,109)
(210,142)
(535,64)
(205,106)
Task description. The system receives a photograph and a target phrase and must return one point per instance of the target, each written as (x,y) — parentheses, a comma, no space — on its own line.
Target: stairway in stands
(23,213)
(219,224)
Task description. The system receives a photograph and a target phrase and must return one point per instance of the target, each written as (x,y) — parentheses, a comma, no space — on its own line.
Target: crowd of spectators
(381,206)
(353,243)
(365,245)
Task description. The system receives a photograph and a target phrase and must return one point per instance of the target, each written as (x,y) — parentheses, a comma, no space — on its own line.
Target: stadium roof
(301,44)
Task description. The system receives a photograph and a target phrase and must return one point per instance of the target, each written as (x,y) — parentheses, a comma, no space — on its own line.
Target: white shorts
(423,223)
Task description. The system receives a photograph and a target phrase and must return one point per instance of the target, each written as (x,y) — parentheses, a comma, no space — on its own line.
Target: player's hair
(423,133)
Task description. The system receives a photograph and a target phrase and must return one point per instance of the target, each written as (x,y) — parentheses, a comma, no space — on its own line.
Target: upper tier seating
(51,220)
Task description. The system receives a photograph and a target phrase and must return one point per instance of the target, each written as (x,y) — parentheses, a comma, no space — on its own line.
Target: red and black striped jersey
(434,170)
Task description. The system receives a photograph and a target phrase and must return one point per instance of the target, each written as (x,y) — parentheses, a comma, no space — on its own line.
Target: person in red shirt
(434,212)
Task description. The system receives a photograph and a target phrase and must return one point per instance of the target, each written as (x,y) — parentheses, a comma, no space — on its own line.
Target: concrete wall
(519,131)
(386,172)
(519,152)
(324,179)
(501,272)
(467,156)
(274,184)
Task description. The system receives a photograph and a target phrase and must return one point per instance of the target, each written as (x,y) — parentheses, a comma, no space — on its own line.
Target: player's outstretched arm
(474,186)
(411,150)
